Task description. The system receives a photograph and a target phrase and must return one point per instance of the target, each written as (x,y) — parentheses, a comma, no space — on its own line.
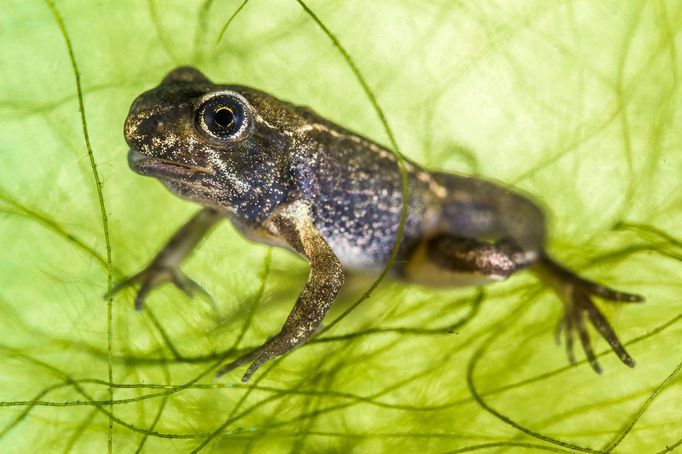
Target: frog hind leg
(576,294)
(448,260)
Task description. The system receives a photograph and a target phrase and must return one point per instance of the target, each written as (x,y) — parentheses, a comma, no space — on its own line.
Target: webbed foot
(165,267)
(257,358)
(156,274)
(576,294)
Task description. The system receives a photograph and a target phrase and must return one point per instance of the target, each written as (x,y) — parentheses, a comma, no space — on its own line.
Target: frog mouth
(162,168)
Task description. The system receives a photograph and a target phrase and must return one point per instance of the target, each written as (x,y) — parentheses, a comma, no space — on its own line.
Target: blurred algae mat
(575,102)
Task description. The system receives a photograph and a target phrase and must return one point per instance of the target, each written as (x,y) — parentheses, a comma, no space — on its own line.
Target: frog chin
(197,193)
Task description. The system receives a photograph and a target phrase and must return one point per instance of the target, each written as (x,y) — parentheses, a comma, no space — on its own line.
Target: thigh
(451,261)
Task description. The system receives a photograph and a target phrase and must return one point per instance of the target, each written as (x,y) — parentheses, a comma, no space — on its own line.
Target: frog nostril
(152,129)
(155,126)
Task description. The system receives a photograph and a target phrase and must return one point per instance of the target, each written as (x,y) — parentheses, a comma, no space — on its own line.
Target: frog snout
(141,128)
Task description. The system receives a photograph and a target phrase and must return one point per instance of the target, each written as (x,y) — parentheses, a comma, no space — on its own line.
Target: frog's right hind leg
(165,267)
(576,294)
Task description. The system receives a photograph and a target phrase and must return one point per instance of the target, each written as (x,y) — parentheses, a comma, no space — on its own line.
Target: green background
(575,102)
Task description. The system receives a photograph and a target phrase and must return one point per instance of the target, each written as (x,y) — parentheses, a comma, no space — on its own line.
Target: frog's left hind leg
(448,260)
(576,293)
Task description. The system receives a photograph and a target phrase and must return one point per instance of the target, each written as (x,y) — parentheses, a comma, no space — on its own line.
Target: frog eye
(222,117)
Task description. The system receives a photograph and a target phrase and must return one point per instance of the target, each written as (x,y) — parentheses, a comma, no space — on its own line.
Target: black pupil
(223,117)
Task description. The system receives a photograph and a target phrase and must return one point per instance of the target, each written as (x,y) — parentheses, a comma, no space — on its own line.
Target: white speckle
(239,185)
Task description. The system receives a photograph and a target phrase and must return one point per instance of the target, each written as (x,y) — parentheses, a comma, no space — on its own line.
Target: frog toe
(584,335)
(156,275)
(190,287)
(609,294)
(580,310)
(147,280)
(602,325)
(566,326)
(256,357)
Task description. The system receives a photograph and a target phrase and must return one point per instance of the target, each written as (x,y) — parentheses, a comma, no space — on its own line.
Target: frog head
(223,146)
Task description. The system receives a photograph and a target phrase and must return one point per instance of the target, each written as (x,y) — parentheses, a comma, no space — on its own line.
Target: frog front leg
(165,267)
(295,226)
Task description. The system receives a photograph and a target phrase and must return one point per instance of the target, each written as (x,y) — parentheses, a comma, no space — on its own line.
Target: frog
(285,176)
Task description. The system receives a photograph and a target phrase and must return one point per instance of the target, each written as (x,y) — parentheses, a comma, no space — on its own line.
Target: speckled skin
(290,178)
(353,185)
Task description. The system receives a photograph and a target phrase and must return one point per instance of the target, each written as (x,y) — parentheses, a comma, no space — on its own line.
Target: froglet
(285,176)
